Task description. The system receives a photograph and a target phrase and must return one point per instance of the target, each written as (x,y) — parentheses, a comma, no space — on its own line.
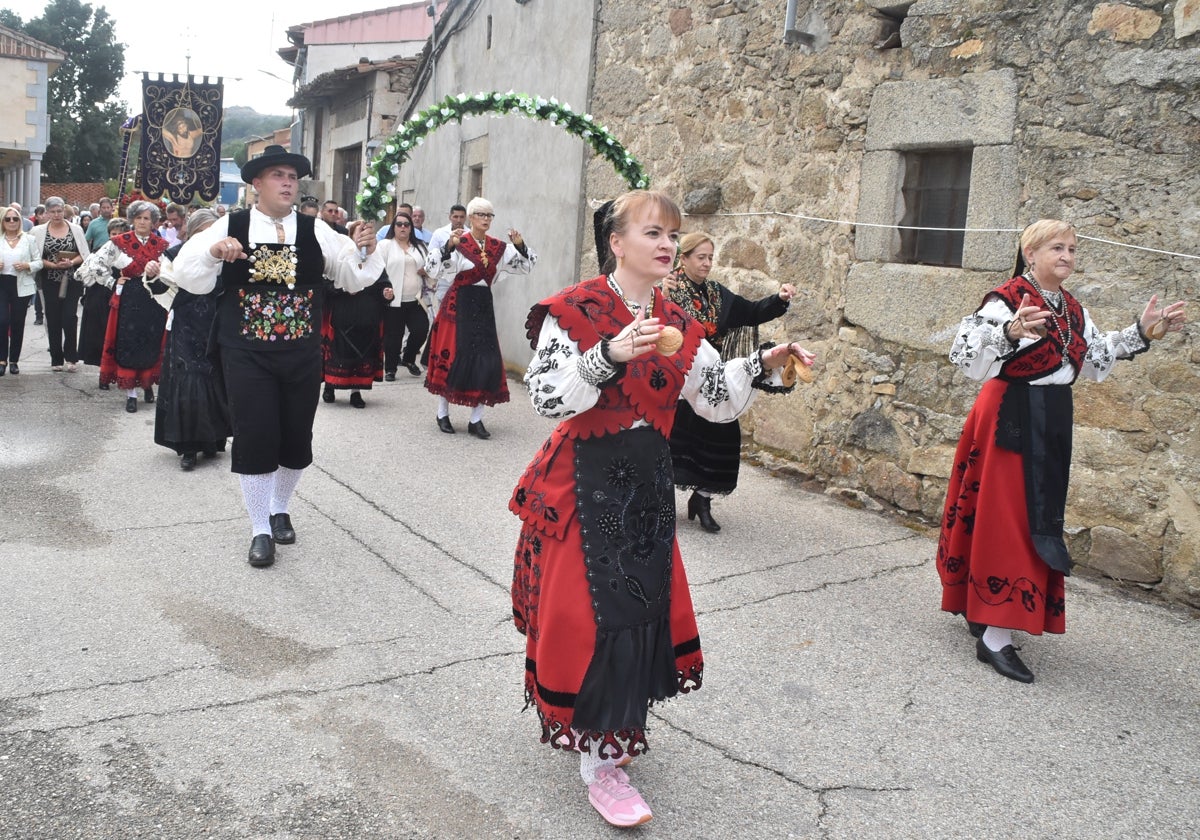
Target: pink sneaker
(616,800)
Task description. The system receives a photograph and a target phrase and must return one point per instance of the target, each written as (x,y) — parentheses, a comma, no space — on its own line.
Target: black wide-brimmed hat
(276,156)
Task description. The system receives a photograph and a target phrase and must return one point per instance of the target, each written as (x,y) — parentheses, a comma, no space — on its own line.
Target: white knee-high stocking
(256,493)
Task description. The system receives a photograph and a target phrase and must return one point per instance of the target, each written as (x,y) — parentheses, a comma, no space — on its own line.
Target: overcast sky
(237,39)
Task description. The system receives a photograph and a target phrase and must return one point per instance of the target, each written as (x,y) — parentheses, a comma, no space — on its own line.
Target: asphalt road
(369,684)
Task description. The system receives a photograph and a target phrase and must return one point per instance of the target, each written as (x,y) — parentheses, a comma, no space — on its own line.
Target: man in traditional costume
(272,263)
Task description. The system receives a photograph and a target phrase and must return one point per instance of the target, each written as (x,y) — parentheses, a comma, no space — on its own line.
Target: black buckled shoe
(356,400)
(131,405)
(262,551)
(702,506)
(188,462)
(477,430)
(281,529)
(444,425)
(1005,661)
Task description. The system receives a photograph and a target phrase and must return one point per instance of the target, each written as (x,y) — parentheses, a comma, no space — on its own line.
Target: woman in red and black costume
(133,340)
(465,365)
(599,588)
(1001,555)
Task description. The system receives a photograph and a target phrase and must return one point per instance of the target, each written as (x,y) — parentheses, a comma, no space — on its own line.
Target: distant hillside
(242,123)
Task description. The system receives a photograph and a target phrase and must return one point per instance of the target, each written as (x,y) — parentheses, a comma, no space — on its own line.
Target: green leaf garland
(378,189)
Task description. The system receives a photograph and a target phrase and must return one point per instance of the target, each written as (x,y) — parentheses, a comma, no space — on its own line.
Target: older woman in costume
(1001,555)
(97,298)
(465,366)
(62,248)
(599,588)
(706,455)
(132,355)
(191,415)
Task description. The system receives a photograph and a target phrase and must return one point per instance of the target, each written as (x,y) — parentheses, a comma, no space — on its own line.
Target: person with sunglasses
(407,311)
(465,365)
(17,287)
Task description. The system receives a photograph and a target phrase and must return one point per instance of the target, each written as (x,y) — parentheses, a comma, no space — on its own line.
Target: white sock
(705,493)
(443,407)
(590,764)
(476,414)
(256,493)
(997,638)
(284,485)
(132,392)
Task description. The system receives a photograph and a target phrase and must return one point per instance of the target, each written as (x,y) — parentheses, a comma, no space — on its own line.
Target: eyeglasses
(485,215)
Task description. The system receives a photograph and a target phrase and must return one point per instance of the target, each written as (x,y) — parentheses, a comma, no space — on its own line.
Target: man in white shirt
(271,262)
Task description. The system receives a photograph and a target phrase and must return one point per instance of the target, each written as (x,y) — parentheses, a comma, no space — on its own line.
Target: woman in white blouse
(1001,555)
(17,287)
(408,310)
(62,248)
(598,587)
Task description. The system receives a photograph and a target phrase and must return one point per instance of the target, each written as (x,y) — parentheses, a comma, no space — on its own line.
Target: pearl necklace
(1057,311)
(633,306)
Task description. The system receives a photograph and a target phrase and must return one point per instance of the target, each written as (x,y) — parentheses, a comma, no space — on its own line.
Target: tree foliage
(85,119)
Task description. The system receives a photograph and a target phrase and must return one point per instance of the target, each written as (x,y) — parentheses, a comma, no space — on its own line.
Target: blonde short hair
(691,241)
(1042,231)
(628,205)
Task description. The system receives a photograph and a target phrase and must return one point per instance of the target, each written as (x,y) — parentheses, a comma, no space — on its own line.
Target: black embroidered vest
(273,301)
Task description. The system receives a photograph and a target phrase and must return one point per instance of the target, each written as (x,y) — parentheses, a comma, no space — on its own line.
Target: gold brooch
(273,265)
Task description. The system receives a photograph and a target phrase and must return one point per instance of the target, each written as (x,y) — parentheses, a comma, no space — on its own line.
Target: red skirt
(553,606)
(111,371)
(986,559)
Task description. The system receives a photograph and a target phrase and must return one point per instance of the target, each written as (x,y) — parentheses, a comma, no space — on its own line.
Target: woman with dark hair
(706,456)
(62,248)
(19,263)
(407,310)
(465,365)
(133,339)
(352,338)
(1001,555)
(599,588)
(97,299)
(191,415)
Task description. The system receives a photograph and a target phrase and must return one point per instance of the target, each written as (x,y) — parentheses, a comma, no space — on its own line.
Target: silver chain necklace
(1058,314)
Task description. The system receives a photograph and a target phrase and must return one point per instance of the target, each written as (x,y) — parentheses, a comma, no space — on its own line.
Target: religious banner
(181,138)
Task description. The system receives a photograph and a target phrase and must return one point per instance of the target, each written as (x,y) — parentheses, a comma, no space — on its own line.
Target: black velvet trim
(760,383)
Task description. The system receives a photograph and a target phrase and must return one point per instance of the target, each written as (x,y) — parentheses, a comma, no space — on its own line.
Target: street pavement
(369,685)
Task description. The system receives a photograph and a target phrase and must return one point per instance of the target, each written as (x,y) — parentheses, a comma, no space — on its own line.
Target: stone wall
(1102,128)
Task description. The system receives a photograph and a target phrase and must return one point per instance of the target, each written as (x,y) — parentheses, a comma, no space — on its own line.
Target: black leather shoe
(104,386)
(327,395)
(262,551)
(149,395)
(3,368)
(1005,661)
(390,376)
(477,430)
(131,405)
(702,506)
(413,369)
(37,322)
(281,529)
(356,400)
(188,462)
(444,425)
(14,369)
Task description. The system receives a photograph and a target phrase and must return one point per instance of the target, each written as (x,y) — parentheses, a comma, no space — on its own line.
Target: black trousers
(409,315)
(273,396)
(12,319)
(62,320)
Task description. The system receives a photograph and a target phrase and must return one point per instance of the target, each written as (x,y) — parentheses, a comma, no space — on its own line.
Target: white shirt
(196,269)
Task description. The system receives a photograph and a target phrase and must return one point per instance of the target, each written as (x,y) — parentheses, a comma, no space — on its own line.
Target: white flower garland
(378,189)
